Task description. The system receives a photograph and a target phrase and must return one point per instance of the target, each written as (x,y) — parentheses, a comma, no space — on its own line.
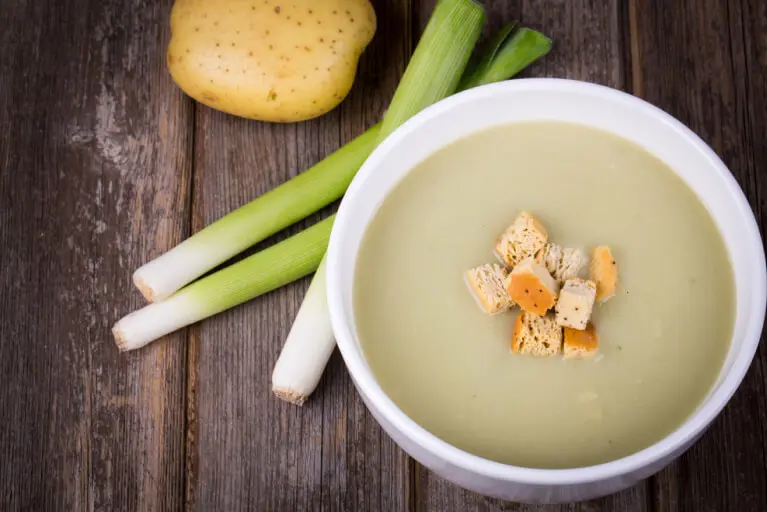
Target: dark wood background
(105,164)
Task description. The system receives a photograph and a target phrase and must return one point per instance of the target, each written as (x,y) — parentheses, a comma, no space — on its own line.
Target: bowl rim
(684,435)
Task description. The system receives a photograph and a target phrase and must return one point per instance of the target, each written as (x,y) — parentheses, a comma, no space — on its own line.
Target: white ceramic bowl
(561,100)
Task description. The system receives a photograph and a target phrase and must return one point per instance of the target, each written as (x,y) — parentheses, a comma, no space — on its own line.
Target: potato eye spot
(277,9)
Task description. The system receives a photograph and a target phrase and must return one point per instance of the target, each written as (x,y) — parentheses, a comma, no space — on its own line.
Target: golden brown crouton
(581,344)
(521,240)
(531,286)
(604,272)
(486,283)
(536,335)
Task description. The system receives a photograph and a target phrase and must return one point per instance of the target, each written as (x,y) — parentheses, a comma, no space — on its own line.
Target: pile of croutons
(543,279)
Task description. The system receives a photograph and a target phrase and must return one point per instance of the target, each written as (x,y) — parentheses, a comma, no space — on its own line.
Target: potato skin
(274,60)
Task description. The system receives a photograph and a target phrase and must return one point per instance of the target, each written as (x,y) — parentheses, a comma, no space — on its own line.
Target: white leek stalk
(276,266)
(275,210)
(432,74)
(308,347)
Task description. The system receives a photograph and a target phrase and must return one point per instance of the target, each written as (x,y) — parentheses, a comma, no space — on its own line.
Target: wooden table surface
(105,164)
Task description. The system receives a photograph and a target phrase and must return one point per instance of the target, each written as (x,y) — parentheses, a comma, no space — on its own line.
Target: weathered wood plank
(705,62)
(94,171)
(249,450)
(588,45)
(444,496)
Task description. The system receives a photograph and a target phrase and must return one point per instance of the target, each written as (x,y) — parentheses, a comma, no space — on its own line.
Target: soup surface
(447,365)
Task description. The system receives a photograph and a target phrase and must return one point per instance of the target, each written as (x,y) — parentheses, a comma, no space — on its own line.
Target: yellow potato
(273,60)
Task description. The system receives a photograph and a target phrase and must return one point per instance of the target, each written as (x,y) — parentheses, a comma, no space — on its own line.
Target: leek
(276,266)
(438,61)
(507,57)
(292,201)
(308,347)
(432,74)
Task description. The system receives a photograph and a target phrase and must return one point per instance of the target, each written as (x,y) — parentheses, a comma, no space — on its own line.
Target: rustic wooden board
(247,449)
(97,154)
(94,170)
(705,62)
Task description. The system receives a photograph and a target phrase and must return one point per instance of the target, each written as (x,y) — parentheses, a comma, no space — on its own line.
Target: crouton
(531,287)
(487,284)
(576,300)
(604,272)
(562,264)
(536,335)
(581,344)
(521,240)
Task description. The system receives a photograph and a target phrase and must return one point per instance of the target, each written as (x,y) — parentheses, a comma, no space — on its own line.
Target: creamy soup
(447,365)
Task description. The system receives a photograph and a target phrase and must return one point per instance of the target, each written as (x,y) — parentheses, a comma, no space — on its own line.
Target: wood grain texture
(94,167)
(588,45)
(705,62)
(97,154)
(248,450)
